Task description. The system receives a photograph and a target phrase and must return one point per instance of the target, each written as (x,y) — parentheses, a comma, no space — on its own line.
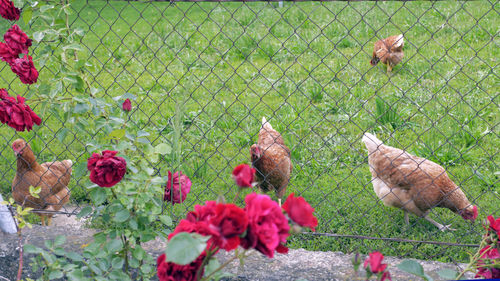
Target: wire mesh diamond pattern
(305,66)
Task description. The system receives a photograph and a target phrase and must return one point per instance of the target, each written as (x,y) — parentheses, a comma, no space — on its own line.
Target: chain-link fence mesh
(305,66)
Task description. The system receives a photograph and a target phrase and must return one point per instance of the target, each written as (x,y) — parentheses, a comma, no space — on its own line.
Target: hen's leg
(389,68)
(438,225)
(49,221)
(42,217)
(407,219)
(279,202)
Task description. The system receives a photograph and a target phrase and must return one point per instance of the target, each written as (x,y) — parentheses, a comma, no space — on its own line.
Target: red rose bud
(127,105)
(268,228)
(17,40)
(169,271)
(375,262)
(243,175)
(17,114)
(178,187)
(7,54)
(106,170)
(300,212)
(25,69)
(8,10)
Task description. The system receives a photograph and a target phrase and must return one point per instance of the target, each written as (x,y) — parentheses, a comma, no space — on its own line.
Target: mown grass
(306,68)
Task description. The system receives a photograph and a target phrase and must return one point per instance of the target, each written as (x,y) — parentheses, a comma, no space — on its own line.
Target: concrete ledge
(296,265)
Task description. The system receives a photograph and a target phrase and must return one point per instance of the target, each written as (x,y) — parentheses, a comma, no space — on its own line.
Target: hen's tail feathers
(400,41)
(266,124)
(371,142)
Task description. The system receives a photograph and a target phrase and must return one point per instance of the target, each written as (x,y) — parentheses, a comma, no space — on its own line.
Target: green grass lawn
(306,68)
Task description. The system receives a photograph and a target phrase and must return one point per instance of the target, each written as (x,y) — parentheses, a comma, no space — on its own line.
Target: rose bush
(261,225)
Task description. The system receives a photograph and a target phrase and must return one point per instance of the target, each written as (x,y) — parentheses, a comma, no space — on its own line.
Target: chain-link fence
(305,66)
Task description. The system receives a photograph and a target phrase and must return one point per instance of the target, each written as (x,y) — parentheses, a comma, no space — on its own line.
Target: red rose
(17,40)
(25,69)
(488,273)
(494,224)
(202,212)
(226,222)
(8,10)
(16,113)
(243,175)
(489,252)
(178,187)
(230,221)
(386,275)
(169,271)
(7,54)
(375,262)
(107,169)
(268,228)
(127,105)
(201,227)
(300,212)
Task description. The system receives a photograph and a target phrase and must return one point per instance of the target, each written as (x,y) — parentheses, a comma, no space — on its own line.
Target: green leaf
(38,36)
(122,216)
(412,267)
(76,275)
(74,256)
(448,274)
(98,195)
(27,15)
(118,275)
(30,249)
(163,148)
(133,224)
(59,240)
(73,46)
(138,253)
(116,134)
(81,108)
(79,84)
(61,135)
(117,262)
(84,212)
(114,245)
(184,248)
(45,8)
(79,169)
(142,133)
(167,220)
(56,274)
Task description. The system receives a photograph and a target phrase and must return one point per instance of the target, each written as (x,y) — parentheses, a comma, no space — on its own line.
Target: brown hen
(414,184)
(271,160)
(389,51)
(52,177)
